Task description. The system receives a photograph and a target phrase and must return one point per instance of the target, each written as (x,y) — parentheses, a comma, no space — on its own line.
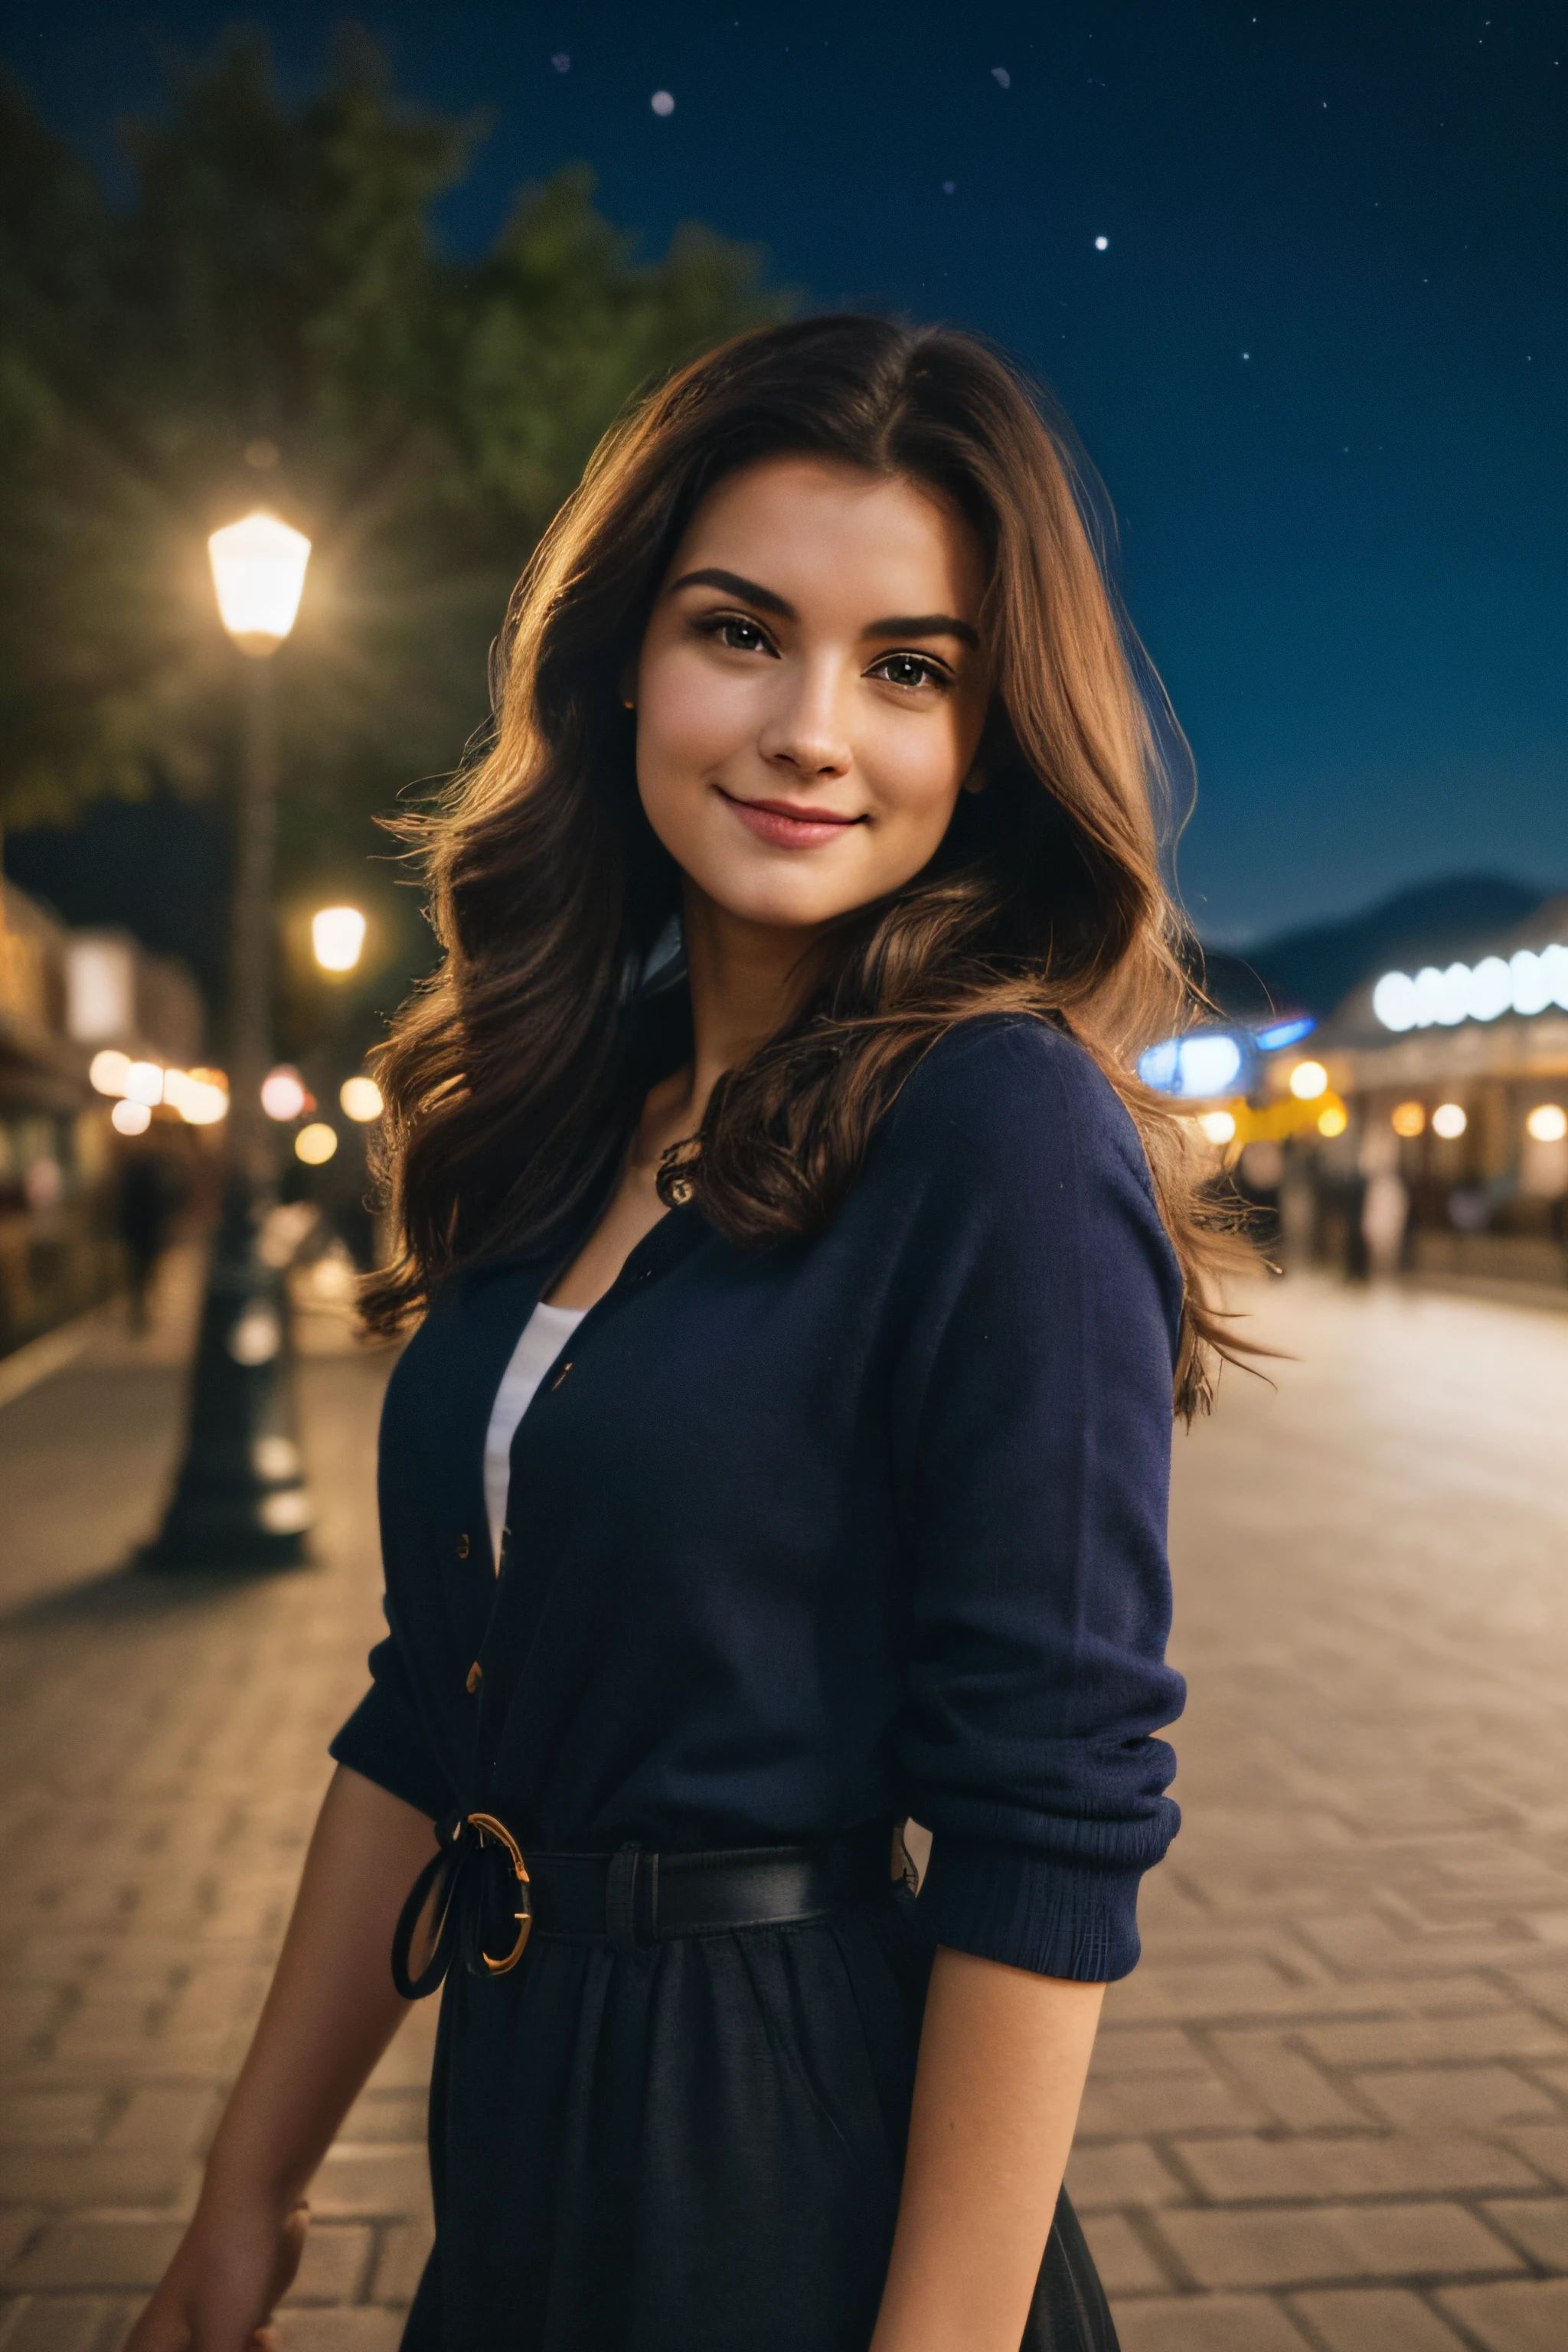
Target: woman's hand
(331,2012)
(234,2265)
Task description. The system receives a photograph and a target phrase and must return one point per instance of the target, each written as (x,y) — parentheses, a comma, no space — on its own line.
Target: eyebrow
(768,600)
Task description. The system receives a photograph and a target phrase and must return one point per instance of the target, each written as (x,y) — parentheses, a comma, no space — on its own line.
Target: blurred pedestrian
(813,1297)
(149,1193)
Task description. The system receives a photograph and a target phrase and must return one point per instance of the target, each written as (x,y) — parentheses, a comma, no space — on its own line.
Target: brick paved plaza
(1331,2108)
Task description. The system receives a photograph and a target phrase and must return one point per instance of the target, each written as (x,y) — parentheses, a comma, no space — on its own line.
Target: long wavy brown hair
(514,1079)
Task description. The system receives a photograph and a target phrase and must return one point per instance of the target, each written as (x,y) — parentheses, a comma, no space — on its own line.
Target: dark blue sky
(1319,361)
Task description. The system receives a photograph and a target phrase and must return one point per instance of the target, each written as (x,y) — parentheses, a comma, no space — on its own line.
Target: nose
(804,734)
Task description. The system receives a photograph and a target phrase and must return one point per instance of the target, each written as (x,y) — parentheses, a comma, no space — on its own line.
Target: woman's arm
(331,2012)
(1003,2060)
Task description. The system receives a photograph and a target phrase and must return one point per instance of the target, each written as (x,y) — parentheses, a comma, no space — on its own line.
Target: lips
(789,825)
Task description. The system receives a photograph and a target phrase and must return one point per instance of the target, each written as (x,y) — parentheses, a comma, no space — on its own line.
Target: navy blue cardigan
(828,1534)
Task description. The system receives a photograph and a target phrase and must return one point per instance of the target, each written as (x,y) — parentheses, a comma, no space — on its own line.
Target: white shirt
(545,1334)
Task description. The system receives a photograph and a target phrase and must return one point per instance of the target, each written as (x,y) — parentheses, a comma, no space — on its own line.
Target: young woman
(783,1454)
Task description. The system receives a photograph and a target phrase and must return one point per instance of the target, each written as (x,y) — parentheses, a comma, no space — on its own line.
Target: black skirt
(691,2146)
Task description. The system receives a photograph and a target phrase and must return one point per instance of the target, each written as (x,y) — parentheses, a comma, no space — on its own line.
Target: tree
(273,322)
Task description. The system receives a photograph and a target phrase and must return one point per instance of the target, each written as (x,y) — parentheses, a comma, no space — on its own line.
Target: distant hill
(1315,968)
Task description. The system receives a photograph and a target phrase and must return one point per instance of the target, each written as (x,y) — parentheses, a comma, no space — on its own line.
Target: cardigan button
(476,1677)
(462,1547)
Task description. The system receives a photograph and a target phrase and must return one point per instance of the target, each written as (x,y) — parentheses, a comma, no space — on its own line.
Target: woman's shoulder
(1016,1085)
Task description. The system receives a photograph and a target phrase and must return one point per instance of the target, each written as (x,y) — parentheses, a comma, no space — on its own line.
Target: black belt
(480,1896)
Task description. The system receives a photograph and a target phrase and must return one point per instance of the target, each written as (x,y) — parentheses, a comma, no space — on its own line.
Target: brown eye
(910,670)
(742,636)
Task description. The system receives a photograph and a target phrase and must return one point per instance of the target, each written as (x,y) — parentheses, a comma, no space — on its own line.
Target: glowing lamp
(315,1144)
(360,1099)
(1309,1080)
(1448,1120)
(337,936)
(259,571)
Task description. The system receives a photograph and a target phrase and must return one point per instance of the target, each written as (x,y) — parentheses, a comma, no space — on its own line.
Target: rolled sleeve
(385,1740)
(1034,1427)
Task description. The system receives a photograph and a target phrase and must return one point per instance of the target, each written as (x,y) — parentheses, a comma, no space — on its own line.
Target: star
(1102,244)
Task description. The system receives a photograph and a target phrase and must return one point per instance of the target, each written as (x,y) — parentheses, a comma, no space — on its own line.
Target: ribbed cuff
(1031,1910)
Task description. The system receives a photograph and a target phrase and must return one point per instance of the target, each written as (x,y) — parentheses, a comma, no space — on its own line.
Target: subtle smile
(788,824)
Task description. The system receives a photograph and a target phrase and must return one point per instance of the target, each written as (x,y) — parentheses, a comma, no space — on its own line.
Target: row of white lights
(1527,982)
(201,1098)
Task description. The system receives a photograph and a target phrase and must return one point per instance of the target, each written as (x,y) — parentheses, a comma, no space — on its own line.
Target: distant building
(64,996)
(1453,1080)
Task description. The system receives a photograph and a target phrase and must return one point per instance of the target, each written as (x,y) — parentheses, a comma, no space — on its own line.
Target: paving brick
(1512,2032)
(1124,2262)
(1207,2323)
(335,2265)
(57,2322)
(1198,2099)
(18,2225)
(387,2115)
(385,2179)
(1538,2224)
(1294,2246)
(400,2258)
(117,2250)
(1120,2172)
(100,2177)
(1531,2316)
(52,2119)
(1347,2166)
(1455,2098)
(340,2330)
(1374,2319)
(1543,2145)
(1285,2081)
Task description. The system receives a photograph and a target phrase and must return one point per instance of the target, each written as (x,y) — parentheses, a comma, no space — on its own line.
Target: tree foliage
(272,322)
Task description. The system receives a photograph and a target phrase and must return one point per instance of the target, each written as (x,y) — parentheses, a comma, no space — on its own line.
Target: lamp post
(240,1499)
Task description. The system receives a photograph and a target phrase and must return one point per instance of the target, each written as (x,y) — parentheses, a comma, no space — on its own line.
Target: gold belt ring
(487,1826)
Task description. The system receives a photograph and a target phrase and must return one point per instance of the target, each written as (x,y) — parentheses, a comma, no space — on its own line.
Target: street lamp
(240,1499)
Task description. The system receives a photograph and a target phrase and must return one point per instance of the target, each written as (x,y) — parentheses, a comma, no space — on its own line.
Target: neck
(746,981)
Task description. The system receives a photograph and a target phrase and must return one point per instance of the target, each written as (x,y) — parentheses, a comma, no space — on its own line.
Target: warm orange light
(1334,1120)
(1408,1118)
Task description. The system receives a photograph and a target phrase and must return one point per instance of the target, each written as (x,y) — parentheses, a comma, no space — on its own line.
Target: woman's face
(810,689)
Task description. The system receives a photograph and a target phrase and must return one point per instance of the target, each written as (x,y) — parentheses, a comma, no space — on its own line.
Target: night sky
(1298,273)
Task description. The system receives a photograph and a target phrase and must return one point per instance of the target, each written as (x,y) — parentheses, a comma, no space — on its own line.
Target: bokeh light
(360,1099)
(108,1071)
(130,1118)
(1408,1118)
(315,1144)
(283,1095)
(337,937)
(1548,1123)
(1309,1080)
(1448,1120)
(1333,1121)
(1220,1126)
